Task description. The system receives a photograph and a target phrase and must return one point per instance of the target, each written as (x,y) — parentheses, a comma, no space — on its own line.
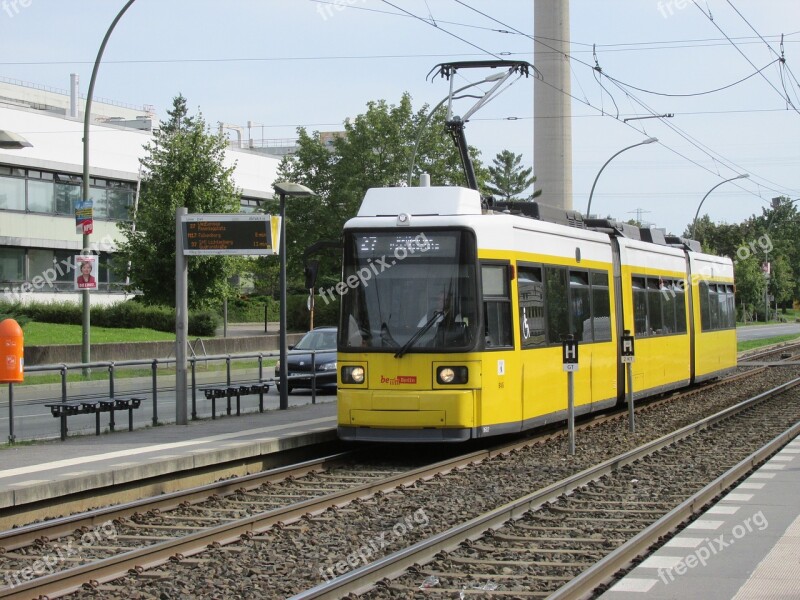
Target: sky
(314,63)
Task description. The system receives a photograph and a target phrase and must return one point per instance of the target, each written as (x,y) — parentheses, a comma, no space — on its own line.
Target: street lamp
(12,141)
(87,119)
(694,223)
(295,190)
(647,141)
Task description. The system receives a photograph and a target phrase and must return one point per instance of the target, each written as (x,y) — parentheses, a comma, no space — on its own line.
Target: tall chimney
(552,113)
(74,83)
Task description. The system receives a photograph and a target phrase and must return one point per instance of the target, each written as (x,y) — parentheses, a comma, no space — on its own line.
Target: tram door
(501,402)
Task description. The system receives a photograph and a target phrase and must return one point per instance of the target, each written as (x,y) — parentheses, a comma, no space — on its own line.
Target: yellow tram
(453,314)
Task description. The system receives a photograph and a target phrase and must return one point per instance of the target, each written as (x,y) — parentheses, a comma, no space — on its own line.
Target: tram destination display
(218,234)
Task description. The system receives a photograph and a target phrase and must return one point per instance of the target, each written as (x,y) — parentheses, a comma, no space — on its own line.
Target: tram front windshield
(409,291)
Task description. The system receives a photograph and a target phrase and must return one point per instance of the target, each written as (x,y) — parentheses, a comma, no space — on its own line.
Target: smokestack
(74,84)
(552,114)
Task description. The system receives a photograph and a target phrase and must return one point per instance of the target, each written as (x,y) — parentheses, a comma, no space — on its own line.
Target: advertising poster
(85,272)
(84,217)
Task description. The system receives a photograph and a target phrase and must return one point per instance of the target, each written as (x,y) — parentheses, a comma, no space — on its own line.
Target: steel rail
(603,571)
(55,528)
(160,553)
(69,580)
(363,578)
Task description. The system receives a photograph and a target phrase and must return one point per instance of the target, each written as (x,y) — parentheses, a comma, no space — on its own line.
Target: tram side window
(725,306)
(601,307)
(580,306)
(531,307)
(654,307)
(496,306)
(680,306)
(640,322)
(717,306)
(705,311)
(557,304)
(668,302)
(713,304)
(731,306)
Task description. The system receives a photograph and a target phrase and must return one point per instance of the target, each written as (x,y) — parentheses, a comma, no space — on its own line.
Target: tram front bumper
(423,409)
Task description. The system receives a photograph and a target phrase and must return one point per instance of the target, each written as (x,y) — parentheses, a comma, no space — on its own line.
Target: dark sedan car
(322,341)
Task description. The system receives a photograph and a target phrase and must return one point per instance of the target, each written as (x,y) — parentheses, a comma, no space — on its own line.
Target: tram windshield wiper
(437,315)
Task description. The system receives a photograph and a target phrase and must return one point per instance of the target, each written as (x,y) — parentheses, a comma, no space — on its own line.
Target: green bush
(67,313)
(127,315)
(250,309)
(203,322)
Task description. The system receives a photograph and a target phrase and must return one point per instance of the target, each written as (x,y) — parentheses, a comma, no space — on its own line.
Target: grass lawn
(52,334)
(752,344)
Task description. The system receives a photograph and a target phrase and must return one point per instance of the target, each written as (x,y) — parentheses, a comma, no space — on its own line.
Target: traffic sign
(569,354)
(627,348)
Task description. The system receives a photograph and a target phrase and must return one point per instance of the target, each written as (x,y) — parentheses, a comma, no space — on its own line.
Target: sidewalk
(248,329)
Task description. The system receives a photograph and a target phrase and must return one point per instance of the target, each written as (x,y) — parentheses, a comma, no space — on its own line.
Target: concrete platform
(52,470)
(746,547)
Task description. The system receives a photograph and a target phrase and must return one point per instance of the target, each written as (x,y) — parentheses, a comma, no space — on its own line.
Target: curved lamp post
(647,141)
(87,119)
(694,223)
(285,188)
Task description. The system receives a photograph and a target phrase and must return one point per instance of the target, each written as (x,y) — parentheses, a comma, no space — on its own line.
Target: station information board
(218,234)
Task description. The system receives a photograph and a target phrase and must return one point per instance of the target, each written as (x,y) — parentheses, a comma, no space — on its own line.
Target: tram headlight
(352,374)
(452,375)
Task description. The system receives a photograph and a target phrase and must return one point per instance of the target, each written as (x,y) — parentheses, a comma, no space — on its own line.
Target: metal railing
(113,367)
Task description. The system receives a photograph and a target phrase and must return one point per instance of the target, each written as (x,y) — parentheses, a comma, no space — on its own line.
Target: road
(760,332)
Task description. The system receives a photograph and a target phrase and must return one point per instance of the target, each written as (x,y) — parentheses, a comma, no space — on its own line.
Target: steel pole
(181,319)
(631,416)
(591,193)
(571,411)
(283,371)
(87,118)
(11,437)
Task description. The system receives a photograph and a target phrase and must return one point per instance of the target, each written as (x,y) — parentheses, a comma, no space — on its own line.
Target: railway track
(182,524)
(782,352)
(569,540)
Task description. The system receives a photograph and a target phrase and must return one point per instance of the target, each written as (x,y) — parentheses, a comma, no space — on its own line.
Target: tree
(183,166)
(508,178)
(374,151)
(750,284)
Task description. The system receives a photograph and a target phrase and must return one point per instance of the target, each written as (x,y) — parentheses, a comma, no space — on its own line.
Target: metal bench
(228,392)
(62,410)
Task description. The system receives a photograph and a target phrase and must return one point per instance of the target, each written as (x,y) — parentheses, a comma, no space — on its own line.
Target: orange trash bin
(12,350)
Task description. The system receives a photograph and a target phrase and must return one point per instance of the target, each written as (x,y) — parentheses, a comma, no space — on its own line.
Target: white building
(40,185)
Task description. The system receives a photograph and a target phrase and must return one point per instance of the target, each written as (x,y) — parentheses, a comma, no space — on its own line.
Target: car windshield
(318,340)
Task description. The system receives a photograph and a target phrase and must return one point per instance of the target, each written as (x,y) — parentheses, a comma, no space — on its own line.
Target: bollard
(111,380)
(155,391)
(193,360)
(63,383)
(313,377)
(11,437)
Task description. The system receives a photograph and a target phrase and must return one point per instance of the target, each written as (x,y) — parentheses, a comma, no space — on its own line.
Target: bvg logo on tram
(399,380)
